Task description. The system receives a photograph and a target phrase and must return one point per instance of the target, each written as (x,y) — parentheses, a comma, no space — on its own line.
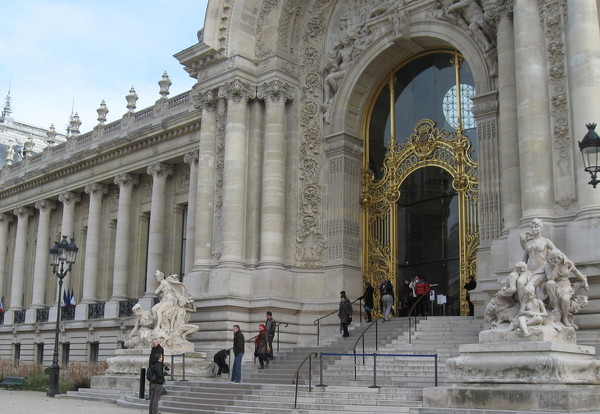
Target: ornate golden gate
(428,146)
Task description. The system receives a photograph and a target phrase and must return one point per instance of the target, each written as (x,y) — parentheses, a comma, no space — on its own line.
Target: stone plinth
(525,363)
(128,362)
(513,397)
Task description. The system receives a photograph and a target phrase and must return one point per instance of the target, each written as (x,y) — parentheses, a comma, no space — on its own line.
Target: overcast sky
(56,52)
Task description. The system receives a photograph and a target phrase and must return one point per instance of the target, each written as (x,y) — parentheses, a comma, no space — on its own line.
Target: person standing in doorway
(469,286)
(368,300)
(271,325)
(238,351)
(386,294)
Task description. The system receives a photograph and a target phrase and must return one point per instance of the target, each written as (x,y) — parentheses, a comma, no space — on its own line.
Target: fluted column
(583,59)
(535,138)
(191,158)
(234,175)
(159,172)
(507,120)
(68,199)
(18,274)
(272,227)
(41,270)
(92,245)
(5,220)
(126,182)
(205,201)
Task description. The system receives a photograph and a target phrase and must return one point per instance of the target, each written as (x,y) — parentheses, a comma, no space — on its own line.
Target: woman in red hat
(261,345)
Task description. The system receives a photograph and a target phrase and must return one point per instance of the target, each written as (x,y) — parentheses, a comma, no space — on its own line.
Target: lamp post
(590,150)
(61,253)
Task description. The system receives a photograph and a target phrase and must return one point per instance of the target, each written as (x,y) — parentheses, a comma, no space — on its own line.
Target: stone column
(92,245)
(205,200)
(159,172)
(69,200)
(272,229)
(535,138)
(18,274)
(583,59)
(191,158)
(234,176)
(126,182)
(507,119)
(41,270)
(583,66)
(5,220)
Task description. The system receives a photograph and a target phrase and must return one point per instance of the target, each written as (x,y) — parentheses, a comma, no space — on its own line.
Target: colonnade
(233,100)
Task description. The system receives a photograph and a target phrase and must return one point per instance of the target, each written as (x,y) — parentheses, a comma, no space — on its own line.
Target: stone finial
(10,154)
(51,134)
(75,124)
(28,147)
(131,100)
(164,84)
(102,111)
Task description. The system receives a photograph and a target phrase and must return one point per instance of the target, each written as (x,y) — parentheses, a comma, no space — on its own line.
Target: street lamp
(62,252)
(590,150)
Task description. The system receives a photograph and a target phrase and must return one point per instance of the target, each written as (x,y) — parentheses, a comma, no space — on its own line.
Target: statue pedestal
(543,372)
(124,368)
(492,398)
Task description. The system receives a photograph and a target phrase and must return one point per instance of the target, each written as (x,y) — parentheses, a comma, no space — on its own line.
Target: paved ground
(27,402)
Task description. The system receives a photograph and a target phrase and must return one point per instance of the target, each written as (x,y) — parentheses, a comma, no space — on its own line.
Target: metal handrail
(362,336)
(173,366)
(375,355)
(277,327)
(295,378)
(317,321)
(410,316)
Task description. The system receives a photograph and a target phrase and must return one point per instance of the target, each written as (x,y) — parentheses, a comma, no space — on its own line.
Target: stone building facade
(278,180)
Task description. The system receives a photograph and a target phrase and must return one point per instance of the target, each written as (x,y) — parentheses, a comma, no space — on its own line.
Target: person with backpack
(421,293)
(156,376)
(386,296)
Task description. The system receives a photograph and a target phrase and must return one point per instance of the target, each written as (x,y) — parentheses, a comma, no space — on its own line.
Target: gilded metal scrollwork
(426,147)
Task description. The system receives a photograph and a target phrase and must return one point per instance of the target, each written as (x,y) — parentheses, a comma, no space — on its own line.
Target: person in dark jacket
(386,297)
(156,349)
(271,326)
(261,346)
(157,376)
(345,314)
(220,358)
(368,300)
(469,286)
(238,351)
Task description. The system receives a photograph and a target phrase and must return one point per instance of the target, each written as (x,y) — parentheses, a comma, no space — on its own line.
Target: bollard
(374,372)
(142,393)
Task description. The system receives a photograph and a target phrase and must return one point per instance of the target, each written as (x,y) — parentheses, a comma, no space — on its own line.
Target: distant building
(22,137)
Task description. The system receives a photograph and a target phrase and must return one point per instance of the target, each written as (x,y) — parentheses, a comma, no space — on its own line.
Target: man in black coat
(220,358)
(238,351)
(156,349)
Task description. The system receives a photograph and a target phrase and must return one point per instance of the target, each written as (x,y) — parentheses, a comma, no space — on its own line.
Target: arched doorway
(420,186)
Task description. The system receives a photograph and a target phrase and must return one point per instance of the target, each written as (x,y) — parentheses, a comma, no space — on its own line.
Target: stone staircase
(399,379)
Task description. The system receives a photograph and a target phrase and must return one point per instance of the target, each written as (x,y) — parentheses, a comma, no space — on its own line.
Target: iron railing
(308,358)
(42,315)
(96,310)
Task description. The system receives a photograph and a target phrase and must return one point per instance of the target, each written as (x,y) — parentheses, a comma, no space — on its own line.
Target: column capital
(69,197)
(276,91)
(96,188)
(206,100)
(127,179)
(45,205)
(6,218)
(237,91)
(160,169)
(23,212)
(191,157)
